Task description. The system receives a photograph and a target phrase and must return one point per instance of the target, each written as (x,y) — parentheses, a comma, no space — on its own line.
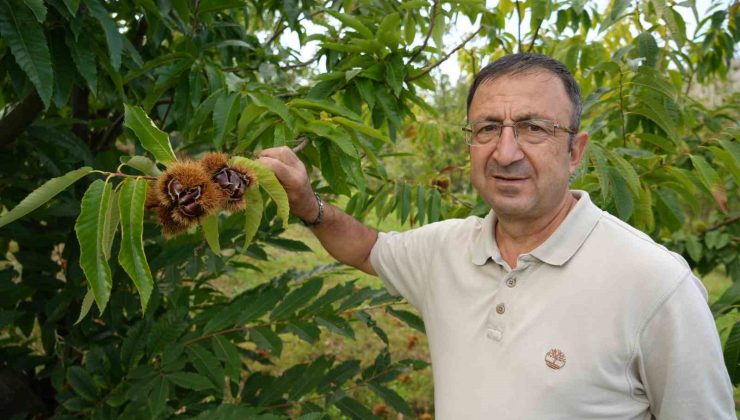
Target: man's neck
(515,237)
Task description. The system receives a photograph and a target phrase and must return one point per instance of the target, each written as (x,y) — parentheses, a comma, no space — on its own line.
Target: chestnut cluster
(188,191)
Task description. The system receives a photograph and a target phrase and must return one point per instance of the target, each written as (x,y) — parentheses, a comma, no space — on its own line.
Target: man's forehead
(540,92)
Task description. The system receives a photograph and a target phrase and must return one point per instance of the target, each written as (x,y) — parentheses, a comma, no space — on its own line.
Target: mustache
(518,169)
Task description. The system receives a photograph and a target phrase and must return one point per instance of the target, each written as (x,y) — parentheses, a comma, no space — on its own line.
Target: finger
(283,153)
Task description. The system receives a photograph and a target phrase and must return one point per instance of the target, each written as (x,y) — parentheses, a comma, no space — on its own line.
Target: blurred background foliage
(234,333)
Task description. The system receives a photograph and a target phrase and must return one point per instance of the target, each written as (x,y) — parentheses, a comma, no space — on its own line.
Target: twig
(123,175)
(534,38)
(729,221)
(621,110)
(519,26)
(433,16)
(303,63)
(194,22)
(166,114)
(302,145)
(279,28)
(432,66)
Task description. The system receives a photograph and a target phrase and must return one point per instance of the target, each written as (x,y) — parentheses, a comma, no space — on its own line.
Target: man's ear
(577,149)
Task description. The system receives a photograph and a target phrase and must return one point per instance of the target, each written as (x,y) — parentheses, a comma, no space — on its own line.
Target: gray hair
(519,63)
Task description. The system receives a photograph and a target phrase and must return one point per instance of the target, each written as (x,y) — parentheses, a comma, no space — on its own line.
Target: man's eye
(531,127)
(488,128)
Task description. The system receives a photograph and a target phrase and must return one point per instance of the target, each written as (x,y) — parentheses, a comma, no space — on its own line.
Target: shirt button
(511,282)
(494,334)
(500,308)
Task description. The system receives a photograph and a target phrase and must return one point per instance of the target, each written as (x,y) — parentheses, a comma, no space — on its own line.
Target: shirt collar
(558,248)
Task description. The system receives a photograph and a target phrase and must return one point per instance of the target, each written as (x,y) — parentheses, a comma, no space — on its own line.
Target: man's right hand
(292,174)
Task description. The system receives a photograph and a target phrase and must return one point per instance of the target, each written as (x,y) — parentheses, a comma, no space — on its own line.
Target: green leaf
(392,399)
(112,217)
(27,42)
(616,12)
(434,206)
(340,374)
(711,180)
(353,409)
(273,105)
(337,325)
(266,338)
(648,48)
(252,214)
(131,255)
(112,36)
(210,231)
(395,73)
(732,354)
(353,23)
(323,105)
(190,380)
(304,330)
(657,113)
(38,9)
(72,6)
(625,170)
(420,204)
(405,207)
(90,228)
(86,305)
(83,55)
(411,319)
(82,383)
(267,181)
(42,194)
(206,363)
(310,378)
(389,30)
(297,299)
(362,128)
(225,113)
(227,352)
(340,138)
(142,164)
(152,139)
(622,197)
(158,397)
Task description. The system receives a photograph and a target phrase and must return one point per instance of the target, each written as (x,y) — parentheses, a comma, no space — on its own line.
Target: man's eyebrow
(521,117)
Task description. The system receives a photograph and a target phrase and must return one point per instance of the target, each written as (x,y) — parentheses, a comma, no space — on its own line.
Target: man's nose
(508,149)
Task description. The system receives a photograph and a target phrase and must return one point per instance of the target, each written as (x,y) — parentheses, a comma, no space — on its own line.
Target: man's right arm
(345,238)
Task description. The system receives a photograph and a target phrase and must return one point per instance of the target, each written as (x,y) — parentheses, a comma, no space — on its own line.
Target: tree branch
(519,27)
(432,18)
(432,66)
(279,28)
(17,120)
(534,38)
(723,223)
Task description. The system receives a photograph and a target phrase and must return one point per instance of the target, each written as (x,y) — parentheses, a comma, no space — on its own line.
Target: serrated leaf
(267,181)
(90,226)
(392,398)
(38,9)
(112,36)
(420,204)
(82,383)
(227,352)
(353,23)
(364,129)
(72,6)
(622,196)
(297,299)
(305,330)
(324,105)
(353,409)
(131,255)
(252,214)
(225,113)
(648,48)
(395,73)
(434,206)
(152,138)
(337,325)
(310,378)
(190,380)
(411,319)
(42,194)
(206,363)
(328,131)
(711,180)
(324,302)
(266,338)
(86,305)
(273,105)
(83,55)
(340,374)
(112,217)
(625,170)
(27,42)
(210,231)
(158,397)
(142,164)
(732,354)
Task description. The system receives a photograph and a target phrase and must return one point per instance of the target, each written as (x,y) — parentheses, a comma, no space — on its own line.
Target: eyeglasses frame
(468,129)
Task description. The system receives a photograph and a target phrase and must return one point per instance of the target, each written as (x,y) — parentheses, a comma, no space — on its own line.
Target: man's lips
(509,177)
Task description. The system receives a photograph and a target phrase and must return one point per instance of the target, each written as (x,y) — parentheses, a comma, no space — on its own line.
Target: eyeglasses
(483,133)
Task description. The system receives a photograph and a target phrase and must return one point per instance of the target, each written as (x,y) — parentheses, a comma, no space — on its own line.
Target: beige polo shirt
(598,322)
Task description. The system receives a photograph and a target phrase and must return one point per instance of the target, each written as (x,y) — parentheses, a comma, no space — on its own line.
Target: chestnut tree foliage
(102,316)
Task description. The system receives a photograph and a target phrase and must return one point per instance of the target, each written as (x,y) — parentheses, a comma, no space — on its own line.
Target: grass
(415,387)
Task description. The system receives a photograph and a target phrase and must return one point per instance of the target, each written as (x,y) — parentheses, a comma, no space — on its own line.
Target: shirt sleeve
(402,260)
(680,359)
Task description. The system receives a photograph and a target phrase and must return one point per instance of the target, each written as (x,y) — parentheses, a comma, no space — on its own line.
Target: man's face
(524,181)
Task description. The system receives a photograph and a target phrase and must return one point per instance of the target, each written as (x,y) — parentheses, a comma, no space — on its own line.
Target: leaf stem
(432,18)
(432,66)
(123,175)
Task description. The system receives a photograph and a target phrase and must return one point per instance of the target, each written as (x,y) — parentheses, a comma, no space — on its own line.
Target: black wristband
(321,212)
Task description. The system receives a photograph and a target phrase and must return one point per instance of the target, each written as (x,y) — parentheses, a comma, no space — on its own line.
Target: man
(548,307)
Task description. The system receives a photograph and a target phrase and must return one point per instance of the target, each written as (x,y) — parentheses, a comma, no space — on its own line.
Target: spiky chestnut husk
(185,194)
(232,180)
